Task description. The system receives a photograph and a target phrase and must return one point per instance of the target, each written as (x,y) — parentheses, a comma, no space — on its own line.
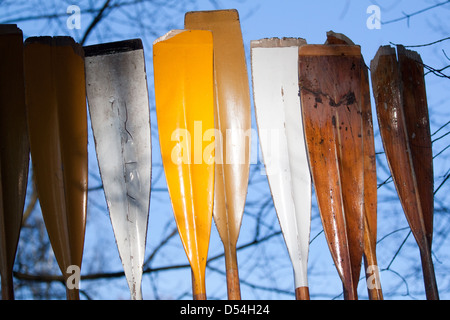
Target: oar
(399,91)
(14,151)
(233,121)
(331,105)
(183,72)
(116,87)
(57,123)
(370,178)
(279,120)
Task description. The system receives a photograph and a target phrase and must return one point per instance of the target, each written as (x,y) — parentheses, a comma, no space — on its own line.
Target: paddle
(116,87)
(183,72)
(14,151)
(370,178)
(399,91)
(57,123)
(279,121)
(330,90)
(233,121)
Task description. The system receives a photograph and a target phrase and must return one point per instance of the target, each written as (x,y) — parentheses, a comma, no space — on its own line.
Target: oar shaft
(350,292)
(72,294)
(429,276)
(198,288)
(302,293)
(233,286)
(373,278)
(7,288)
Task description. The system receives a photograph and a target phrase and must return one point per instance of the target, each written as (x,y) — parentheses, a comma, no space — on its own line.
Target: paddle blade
(400,97)
(233,122)
(14,150)
(57,122)
(370,177)
(183,71)
(330,98)
(279,120)
(119,108)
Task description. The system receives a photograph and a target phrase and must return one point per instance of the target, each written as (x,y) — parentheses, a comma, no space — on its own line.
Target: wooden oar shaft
(233,285)
(198,287)
(302,293)
(72,294)
(7,287)
(429,277)
(372,274)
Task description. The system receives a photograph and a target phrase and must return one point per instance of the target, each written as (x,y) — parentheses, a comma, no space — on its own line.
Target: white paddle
(279,120)
(118,104)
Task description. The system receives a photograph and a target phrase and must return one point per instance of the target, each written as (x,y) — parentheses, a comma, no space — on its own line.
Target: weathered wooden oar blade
(14,150)
(57,123)
(330,99)
(116,87)
(370,178)
(402,111)
(233,122)
(183,71)
(279,120)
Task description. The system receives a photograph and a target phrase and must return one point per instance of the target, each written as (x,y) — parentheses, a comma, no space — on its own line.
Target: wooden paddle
(330,90)
(233,121)
(116,87)
(14,151)
(57,122)
(370,178)
(399,91)
(183,71)
(279,121)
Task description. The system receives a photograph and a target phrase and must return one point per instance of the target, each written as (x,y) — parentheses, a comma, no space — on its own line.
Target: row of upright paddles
(315,99)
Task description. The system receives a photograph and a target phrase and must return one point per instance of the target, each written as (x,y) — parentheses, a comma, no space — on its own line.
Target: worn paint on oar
(183,71)
(330,98)
(14,151)
(279,120)
(370,178)
(57,122)
(399,91)
(233,121)
(116,87)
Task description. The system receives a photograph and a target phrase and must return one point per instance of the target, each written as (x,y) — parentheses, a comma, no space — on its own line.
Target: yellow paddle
(183,71)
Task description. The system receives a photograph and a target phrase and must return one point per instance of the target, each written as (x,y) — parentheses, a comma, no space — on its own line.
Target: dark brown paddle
(330,89)
(14,151)
(399,90)
(370,178)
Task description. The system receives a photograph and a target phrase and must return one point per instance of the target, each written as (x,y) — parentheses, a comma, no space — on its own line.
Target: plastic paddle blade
(14,150)
(119,108)
(400,97)
(279,120)
(57,122)
(330,98)
(233,118)
(183,71)
(233,122)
